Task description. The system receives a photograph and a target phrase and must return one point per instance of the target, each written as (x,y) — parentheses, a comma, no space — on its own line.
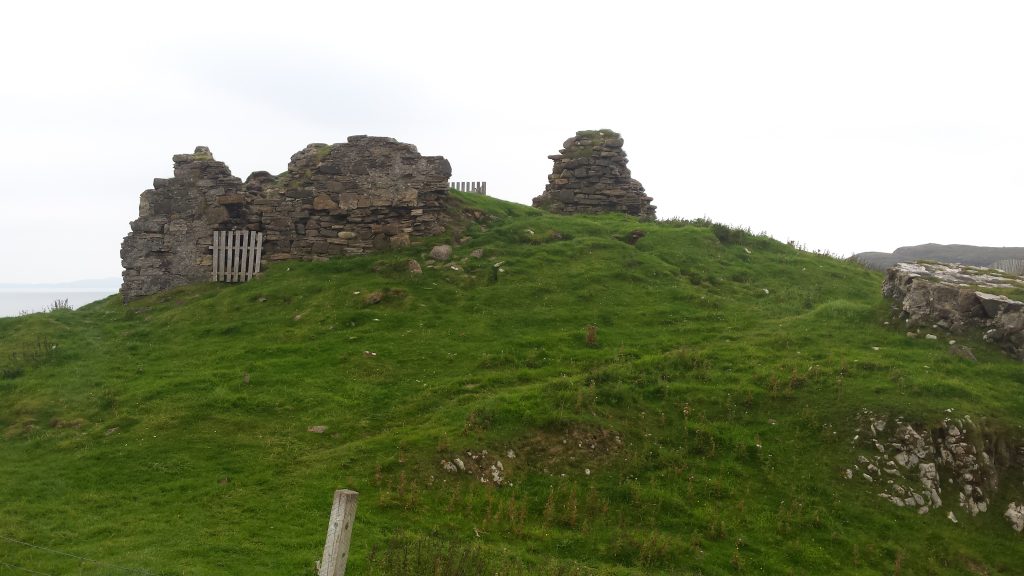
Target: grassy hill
(680,403)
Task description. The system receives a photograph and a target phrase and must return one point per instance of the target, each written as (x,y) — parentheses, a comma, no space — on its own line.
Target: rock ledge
(956,298)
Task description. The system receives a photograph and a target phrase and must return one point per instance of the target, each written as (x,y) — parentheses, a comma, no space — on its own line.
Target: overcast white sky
(846,126)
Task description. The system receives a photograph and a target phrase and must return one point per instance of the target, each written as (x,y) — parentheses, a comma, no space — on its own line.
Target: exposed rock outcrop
(366,194)
(957,464)
(590,177)
(956,297)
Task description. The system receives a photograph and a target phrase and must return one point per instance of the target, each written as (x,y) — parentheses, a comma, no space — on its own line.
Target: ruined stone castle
(365,194)
(369,193)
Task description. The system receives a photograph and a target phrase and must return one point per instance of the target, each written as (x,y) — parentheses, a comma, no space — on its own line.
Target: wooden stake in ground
(339,533)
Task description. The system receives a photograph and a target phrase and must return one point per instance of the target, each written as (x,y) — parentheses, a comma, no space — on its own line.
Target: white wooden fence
(1013,266)
(236,255)
(475,187)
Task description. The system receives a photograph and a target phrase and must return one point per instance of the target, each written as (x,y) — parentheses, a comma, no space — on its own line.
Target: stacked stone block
(590,176)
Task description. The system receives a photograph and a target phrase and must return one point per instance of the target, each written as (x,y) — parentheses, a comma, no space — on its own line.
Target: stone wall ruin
(590,176)
(366,194)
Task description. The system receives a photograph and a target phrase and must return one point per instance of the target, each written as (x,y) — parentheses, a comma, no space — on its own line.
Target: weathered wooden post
(339,533)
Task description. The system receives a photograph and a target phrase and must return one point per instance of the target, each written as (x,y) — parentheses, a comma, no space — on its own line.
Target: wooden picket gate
(236,255)
(475,187)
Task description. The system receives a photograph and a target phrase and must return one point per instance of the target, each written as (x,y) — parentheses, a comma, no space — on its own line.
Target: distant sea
(15,303)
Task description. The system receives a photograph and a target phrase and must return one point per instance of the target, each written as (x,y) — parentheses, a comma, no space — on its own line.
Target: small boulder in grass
(961,351)
(441,253)
(374,297)
(633,237)
(319,429)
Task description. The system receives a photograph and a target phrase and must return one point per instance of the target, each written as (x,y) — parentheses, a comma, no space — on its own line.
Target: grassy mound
(614,397)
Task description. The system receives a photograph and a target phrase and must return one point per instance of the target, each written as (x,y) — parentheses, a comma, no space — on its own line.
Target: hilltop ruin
(365,194)
(590,176)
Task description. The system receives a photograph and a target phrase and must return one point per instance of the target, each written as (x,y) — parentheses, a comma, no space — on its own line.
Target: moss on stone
(602,133)
(323,150)
(597,139)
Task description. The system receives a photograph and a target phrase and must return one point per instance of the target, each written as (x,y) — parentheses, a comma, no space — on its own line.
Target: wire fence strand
(70,555)
(23,569)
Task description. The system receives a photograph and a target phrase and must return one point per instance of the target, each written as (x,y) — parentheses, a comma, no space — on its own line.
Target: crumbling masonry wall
(589,176)
(366,194)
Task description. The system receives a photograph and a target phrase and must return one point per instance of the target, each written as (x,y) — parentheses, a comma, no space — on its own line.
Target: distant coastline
(17,303)
(21,298)
(111,284)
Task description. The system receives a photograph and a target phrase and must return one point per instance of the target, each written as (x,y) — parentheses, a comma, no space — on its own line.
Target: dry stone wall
(590,176)
(366,194)
(169,243)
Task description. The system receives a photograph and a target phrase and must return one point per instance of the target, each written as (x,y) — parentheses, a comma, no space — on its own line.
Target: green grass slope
(702,427)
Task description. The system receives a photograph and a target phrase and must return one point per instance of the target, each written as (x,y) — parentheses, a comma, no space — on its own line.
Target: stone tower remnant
(366,194)
(590,176)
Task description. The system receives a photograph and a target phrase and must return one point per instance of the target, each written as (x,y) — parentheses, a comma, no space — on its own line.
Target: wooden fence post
(339,533)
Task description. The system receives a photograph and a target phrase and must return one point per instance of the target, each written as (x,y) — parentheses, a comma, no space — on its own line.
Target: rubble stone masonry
(367,194)
(590,176)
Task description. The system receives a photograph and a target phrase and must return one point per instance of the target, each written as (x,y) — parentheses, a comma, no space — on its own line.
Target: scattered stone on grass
(961,351)
(441,252)
(1015,514)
